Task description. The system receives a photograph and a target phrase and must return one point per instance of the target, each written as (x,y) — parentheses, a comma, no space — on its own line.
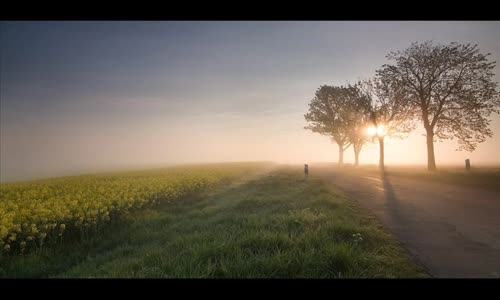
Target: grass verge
(483,177)
(275,226)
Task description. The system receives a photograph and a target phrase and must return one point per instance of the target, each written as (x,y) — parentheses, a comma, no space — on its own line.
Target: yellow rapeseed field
(38,212)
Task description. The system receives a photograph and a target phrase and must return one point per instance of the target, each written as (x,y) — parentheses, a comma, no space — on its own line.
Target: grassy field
(276,225)
(482,177)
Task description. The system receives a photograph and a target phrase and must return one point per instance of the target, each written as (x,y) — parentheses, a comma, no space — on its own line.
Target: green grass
(487,178)
(274,226)
(483,177)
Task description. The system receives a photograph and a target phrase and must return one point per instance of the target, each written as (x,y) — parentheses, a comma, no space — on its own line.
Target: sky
(93,96)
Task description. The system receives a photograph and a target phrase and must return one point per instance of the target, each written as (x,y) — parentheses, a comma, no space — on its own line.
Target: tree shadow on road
(392,202)
(399,221)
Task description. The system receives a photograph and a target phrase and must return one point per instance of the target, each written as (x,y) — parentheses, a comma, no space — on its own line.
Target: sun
(376,131)
(371,131)
(381,130)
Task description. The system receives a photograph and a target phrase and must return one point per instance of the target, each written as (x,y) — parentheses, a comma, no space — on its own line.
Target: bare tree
(358,140)
(451,86)
(358,109)
(390,114)
(327,115)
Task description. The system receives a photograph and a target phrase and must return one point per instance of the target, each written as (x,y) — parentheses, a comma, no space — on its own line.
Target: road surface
(452,230)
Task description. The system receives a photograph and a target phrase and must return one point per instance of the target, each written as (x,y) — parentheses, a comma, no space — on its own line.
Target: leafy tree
(327,116)
(390,114)
(357,109)
(451,87)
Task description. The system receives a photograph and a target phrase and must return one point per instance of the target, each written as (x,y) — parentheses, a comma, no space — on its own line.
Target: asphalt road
(453,231)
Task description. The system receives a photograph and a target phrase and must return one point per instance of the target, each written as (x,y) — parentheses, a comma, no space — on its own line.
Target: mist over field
(249,149)
(86,97)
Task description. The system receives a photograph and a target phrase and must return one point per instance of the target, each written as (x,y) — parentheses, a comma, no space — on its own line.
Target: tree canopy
(451,87)
(332,112)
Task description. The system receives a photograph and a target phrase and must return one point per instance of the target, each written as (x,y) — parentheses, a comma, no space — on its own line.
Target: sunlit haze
(94,96)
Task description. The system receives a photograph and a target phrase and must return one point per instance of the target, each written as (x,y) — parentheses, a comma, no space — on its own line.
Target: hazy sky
(80,96)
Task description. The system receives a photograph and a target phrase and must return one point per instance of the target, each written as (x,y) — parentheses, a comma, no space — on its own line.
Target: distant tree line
(449,89)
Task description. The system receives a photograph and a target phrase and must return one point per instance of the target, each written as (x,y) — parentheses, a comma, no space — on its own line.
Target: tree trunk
(431,160)
(356,156)
(341,155)
(381,153)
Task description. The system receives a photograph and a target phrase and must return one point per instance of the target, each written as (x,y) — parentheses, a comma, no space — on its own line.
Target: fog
(102,96)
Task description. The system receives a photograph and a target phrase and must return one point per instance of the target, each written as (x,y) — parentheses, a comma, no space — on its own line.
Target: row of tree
(449,89)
